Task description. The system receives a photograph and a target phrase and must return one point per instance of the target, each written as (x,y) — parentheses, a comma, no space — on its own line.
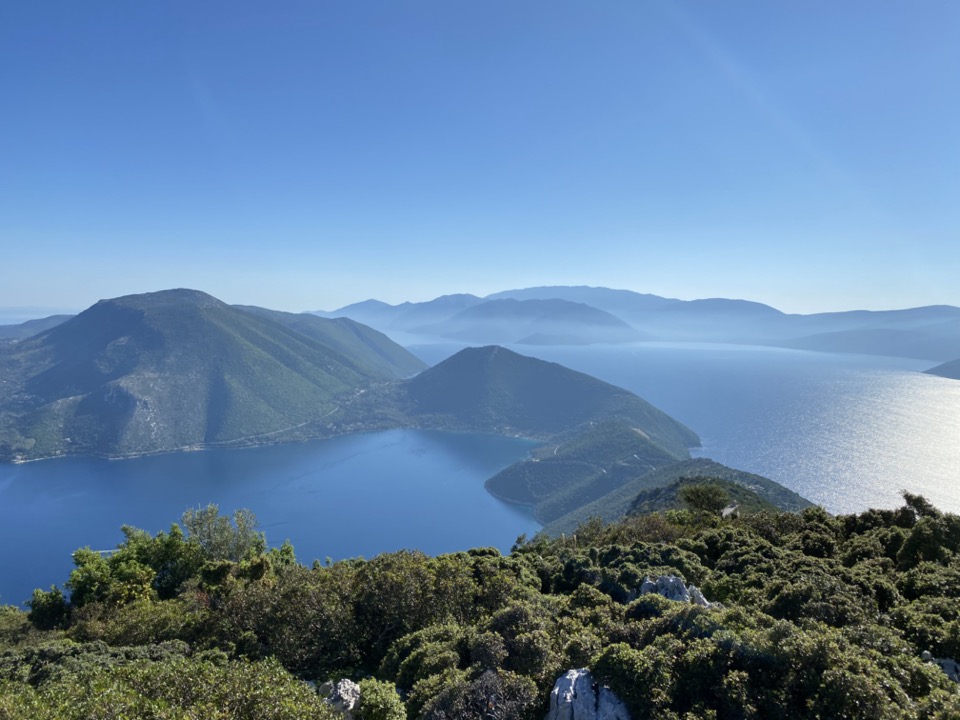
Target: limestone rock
(575,696)
(610,707)
(648,586)
(670,586)
(673,588)
(697,598)
(344,696)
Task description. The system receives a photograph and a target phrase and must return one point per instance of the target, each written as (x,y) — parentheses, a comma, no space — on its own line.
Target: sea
(847,432)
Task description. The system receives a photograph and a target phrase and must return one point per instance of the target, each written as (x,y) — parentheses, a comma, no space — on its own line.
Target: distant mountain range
(577,315)
(582,315)
(31,327)
(180,370)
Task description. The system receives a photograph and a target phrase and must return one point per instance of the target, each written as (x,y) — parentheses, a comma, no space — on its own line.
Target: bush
(379,701)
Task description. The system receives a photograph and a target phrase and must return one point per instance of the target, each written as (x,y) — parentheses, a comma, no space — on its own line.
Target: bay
(846,431)
(350,496)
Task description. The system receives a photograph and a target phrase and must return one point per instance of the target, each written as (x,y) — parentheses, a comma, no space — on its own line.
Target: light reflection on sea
(845,431)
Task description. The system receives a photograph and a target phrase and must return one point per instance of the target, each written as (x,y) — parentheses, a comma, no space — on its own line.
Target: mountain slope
(163,371)
(368,349)
(949,369)
(31,327)
(581,469)
(621,303)
(598,435)
(539,321)
(404,316)
(620,502)
(493,389)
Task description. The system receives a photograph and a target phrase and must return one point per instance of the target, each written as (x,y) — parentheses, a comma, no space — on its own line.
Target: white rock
(342,697)
(576,697)
(648,586)
(672,588)
(697,598)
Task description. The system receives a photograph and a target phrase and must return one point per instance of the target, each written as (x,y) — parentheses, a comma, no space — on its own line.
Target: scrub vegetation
(820,617)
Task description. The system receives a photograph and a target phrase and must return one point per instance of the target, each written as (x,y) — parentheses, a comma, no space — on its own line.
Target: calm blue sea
(345,497)
(846,431)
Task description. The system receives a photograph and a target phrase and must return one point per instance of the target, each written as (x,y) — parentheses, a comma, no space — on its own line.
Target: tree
(705,497)
(379,701)
(48,610)
(223,537)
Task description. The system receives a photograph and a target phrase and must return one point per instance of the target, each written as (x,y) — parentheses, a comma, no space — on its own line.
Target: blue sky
(307,154)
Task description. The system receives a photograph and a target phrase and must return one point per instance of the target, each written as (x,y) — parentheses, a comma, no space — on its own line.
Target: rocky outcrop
(950,667)
(343,696)
(575,696)
(673,588)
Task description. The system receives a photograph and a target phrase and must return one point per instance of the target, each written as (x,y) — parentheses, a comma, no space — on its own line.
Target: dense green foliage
(822,617)
(702,493)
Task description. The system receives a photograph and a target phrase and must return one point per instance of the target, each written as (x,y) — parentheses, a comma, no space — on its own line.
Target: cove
(356,495)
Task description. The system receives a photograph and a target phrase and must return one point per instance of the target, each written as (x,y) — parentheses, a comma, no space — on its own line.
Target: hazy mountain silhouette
(927,332)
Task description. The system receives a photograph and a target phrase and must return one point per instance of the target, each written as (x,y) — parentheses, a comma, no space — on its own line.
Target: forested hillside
(821,617)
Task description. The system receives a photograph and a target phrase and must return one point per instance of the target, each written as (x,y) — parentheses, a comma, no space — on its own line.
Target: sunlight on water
(845,431)
(886,432)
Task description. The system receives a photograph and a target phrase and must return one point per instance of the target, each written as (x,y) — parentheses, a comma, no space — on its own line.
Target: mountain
(929,333)
(368,348)
(476,320)
(556,315)
(31,327)
(492,389)
(532,322)
(631,495)
(179,369)
(404,316)
(949,369)
(580,469)
(595,435)
(621,303)
(932,341)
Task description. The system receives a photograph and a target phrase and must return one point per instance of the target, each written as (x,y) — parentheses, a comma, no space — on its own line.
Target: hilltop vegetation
(822,617)
(753,491)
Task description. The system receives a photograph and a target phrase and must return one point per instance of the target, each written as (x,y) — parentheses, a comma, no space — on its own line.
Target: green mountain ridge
(176,369)
(582,468)
(492,389)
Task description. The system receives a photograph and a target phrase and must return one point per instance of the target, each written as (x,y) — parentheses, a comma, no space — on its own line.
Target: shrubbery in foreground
(823,617)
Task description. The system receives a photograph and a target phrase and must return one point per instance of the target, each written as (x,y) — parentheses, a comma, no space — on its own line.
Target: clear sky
(305,154)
